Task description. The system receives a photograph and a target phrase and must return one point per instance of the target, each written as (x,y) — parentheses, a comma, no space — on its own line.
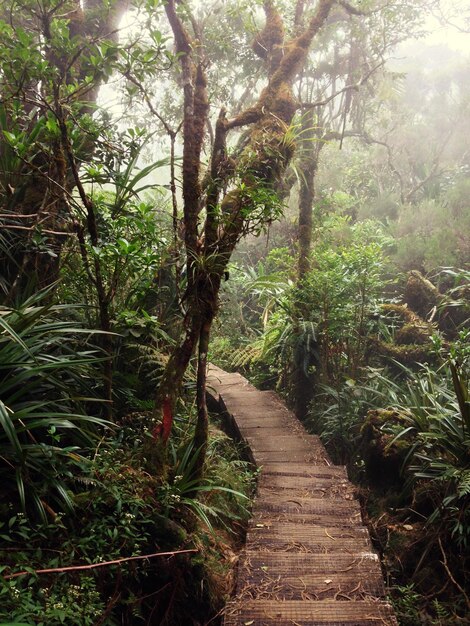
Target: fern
(247,355)
(463,486)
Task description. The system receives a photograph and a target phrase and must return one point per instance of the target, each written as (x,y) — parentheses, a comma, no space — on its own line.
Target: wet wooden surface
(308,559)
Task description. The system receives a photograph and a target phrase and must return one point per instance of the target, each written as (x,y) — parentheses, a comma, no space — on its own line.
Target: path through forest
(308,559)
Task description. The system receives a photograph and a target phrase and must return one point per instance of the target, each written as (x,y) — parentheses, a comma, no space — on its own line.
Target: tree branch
(354,86)
(76,568)
(349,8)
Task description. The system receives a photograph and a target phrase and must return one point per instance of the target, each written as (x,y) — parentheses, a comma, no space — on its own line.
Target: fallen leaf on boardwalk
(264,568)
(259,526)
(327,581)
(252,621)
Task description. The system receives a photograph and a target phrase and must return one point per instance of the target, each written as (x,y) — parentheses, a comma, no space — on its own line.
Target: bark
(308,169)
(261,162)
(178,362)
(201,433)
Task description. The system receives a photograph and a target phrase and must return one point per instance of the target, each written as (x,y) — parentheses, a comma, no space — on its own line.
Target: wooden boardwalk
(308,560)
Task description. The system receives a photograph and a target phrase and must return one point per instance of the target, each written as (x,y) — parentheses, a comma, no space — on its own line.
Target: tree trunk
(304,380)
(308,169)
(170,382)
(201,433)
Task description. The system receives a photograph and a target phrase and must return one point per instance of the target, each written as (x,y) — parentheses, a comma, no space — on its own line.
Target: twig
(353,86)
(74,568)
(42,230)
(449,573)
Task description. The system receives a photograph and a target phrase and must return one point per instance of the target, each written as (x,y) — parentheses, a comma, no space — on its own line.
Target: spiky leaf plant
(44,386)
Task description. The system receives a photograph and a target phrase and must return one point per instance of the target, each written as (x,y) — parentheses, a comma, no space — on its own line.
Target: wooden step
(322,519)
(304,469)
(266,441)
(319,576)
(283,503)
(304,487)
(306,537)
(309,613)
(277,456)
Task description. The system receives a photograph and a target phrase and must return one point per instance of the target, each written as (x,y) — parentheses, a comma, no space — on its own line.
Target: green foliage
(324,321)
(412,608)
(337,413)
(45,381)
(434,432)
(440,454)
(133,233)
(21,137)
(432,234)
(121,512)
(115,516)
(406,602)
(63,603)
(261,205)
(197,495)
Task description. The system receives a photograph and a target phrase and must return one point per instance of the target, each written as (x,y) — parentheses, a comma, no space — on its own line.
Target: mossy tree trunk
(230,199)
(45,180)
(64,89)
(308,169)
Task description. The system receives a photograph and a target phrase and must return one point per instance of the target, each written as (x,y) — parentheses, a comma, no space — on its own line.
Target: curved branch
(354,86)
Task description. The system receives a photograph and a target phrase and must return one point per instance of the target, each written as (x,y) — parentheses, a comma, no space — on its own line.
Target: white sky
(449,36)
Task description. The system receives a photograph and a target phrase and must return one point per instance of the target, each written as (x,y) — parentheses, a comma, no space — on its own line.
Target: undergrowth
(121,512)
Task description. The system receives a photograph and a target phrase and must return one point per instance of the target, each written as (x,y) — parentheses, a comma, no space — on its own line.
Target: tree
(238,194)
(56,56)
(337,90)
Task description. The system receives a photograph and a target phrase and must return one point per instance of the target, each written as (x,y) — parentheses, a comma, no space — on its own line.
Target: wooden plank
(310,613)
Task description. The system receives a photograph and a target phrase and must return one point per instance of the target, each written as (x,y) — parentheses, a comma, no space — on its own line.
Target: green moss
(420,294)
(408,354)
(413,333)
(382,455)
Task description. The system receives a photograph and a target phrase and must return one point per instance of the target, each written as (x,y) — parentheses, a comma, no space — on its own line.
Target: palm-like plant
(435,406)
(187,491)
(43,387)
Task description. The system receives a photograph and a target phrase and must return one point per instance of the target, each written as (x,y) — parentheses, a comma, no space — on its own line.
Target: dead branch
(450,575)
(57,233)
(349,8)
(76,568)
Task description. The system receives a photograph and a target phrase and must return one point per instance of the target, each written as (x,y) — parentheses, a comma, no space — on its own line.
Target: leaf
(10,137)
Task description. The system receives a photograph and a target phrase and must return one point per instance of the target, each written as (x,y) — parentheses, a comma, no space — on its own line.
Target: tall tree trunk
(201,433)
(308,169)
(304,381)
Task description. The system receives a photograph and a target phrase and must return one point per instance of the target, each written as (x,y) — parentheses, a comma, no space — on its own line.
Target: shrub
(45,383)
